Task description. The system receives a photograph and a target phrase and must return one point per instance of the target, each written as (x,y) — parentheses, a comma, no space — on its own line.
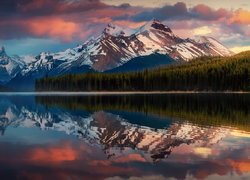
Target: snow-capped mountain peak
(115,30)
(112,29)
(155,25)
(116,46)
(215,45)
(9,67)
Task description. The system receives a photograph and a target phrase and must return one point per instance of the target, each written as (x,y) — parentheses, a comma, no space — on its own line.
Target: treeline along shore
(231,110)
(203,74)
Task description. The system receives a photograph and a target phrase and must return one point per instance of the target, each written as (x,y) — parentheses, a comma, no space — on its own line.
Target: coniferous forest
(203,74)
(202,109)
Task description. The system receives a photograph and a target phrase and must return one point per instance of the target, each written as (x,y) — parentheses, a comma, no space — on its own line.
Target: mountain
(203,74)
(115,47)
(143,62)
(111,132)
(9,67)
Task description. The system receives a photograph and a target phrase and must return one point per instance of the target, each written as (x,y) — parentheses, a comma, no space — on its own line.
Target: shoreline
(69,93)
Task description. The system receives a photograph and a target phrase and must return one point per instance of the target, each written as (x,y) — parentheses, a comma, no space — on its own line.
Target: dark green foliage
(207,73)
(143,62)
(204,109)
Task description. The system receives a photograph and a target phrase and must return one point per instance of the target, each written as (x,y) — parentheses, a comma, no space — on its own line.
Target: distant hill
(206,73)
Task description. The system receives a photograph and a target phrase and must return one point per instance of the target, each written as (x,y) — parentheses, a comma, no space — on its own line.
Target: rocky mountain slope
(9,67)
(113,48)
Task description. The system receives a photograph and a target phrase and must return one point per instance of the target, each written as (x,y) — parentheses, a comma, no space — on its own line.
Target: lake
(125,136)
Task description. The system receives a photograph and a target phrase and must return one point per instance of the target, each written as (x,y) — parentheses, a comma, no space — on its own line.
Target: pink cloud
(205,12)
(77,20)
(240,16)
(129,24)
(53,154)
(53,27)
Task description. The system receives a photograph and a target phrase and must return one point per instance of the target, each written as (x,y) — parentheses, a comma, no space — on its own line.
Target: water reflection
(119,137)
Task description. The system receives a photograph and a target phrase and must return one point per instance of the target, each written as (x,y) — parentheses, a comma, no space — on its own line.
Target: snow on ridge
(120,42)
(215,45)
(115,30)
(118,132)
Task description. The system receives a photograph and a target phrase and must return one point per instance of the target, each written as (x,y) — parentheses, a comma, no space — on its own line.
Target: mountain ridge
(113,48)
(203,74)
(109,131)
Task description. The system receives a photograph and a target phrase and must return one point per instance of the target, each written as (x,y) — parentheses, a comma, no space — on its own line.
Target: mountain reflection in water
(195,136)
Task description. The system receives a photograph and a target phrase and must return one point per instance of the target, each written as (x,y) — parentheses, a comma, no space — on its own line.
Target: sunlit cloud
(54,28)
(239,49)
(239,133)
(54,154)
(204,30)
(130,158)
(241,166)
(241,16)
(74,21)
(203,151)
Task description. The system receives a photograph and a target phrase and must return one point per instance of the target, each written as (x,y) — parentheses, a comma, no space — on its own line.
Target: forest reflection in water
(207,109)
(195,136)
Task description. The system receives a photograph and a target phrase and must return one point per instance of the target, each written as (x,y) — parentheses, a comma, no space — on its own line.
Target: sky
(32,26)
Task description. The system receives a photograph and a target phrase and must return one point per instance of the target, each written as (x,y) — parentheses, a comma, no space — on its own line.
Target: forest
(202,74)
(202,109)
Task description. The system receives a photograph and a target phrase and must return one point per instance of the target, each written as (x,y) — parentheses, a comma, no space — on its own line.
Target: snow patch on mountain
(114,47)
(112,132)
(9,67)
(216,46)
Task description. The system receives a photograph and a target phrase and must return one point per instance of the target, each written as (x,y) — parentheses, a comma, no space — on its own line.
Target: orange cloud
(122,159)
(130,24)
(241,17)
(101,20)
(53,27)
(241,166)
(54,154)
(130,158)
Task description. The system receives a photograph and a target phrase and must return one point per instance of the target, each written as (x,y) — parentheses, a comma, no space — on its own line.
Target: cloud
(31,8)
(67,20)
(241,17)
(177,11)
(76,20)
(241,134)
(204,30)
(53,154)
(241,166)
(180,11)
(205,12)
(42,27)
(203,151)
(54,27)
(130,158)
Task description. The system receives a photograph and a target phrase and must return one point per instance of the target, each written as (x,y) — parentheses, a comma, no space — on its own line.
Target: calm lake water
(182,136)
